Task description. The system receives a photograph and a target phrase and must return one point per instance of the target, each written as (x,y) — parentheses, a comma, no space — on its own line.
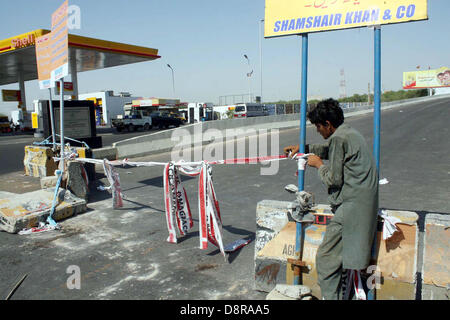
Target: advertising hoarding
(59,43)
(287,17)
(11,95)
(43,61)
(436,78)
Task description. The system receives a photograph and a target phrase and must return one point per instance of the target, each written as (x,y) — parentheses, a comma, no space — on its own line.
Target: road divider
(165,141)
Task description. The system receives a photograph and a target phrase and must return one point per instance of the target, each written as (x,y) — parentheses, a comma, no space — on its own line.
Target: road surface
(123,254)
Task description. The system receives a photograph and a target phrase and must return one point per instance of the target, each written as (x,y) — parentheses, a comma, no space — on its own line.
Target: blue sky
(205,42)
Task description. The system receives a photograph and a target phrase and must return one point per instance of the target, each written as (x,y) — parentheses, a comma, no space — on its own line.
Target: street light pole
(173,80)
(249,75)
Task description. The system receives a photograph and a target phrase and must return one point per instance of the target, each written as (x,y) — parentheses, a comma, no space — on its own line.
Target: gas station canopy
(18,56)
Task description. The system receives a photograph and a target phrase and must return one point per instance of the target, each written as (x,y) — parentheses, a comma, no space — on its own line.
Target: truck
(4,124)
(163,119)
(132,119)
(21,121)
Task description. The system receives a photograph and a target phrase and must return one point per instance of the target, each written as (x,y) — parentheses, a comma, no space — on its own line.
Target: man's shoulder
(347,135)
(345,130)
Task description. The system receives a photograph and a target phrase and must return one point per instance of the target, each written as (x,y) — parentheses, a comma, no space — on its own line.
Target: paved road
(123,254)
(12,146)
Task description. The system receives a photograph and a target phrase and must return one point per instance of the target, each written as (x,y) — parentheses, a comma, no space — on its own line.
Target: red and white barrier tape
(177,209)
(178,212)
(210,219)
(114,180)
(354,280)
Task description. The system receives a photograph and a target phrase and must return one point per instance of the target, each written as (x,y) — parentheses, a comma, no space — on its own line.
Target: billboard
(11,95)
(59,43)
(287,17)
(435,78)
(43,61)
(68,88)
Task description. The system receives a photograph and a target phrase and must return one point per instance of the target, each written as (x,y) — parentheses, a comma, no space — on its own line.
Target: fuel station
(18,59)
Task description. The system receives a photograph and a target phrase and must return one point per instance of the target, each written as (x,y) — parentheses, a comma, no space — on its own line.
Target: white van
(246,110)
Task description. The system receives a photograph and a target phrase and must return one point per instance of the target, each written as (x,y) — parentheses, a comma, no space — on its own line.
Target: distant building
(108,106)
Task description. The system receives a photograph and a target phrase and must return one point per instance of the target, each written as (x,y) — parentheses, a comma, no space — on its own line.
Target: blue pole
(303,107)
(377,98)
(376,125)
(302,144)
(55,198)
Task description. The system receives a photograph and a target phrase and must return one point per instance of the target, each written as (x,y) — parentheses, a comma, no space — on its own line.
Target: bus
(246,110)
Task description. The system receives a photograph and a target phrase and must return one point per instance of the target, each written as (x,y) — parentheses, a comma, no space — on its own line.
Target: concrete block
(271,217)
(275,246)
(77,180)
(269,272)
(293,291)
(23,211)
(289,292)
(48,182)
(38,161)
(432,292)
(275,295)
(436,257)
(397,258)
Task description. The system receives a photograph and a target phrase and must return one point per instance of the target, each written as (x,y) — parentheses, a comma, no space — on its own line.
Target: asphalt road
(123,254)
(12,146)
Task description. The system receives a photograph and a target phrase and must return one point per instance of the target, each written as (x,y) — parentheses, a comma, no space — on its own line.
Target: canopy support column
(74,75)
(23,103)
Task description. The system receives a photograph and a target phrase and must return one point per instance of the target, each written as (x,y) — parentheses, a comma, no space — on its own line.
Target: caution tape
(177,209)
(353,280)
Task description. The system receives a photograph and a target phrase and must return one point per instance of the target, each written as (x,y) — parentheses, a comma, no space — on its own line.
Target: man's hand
(314,161)
(292,150)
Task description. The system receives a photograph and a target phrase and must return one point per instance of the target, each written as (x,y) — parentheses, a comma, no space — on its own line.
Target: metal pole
(303,106)
(302,144)
(173,83)
(61,121)
(248,76)
(377,97)
(173,80)
(260,59)
(376,126)
(52,121)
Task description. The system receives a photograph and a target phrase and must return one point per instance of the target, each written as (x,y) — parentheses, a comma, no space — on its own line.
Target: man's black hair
(327,110)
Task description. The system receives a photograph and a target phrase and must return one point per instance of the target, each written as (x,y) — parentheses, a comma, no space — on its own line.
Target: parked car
(132,119)
(162,120)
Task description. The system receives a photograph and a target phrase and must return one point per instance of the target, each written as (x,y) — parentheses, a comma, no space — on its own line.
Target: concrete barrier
(24,211)
(275,244)
(160,142)
(436,257)
(109,153)
(402,260)
(166,140)
(38,161)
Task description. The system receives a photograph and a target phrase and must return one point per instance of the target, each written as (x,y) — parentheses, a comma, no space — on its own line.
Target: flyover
(123,254)
(162,141)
